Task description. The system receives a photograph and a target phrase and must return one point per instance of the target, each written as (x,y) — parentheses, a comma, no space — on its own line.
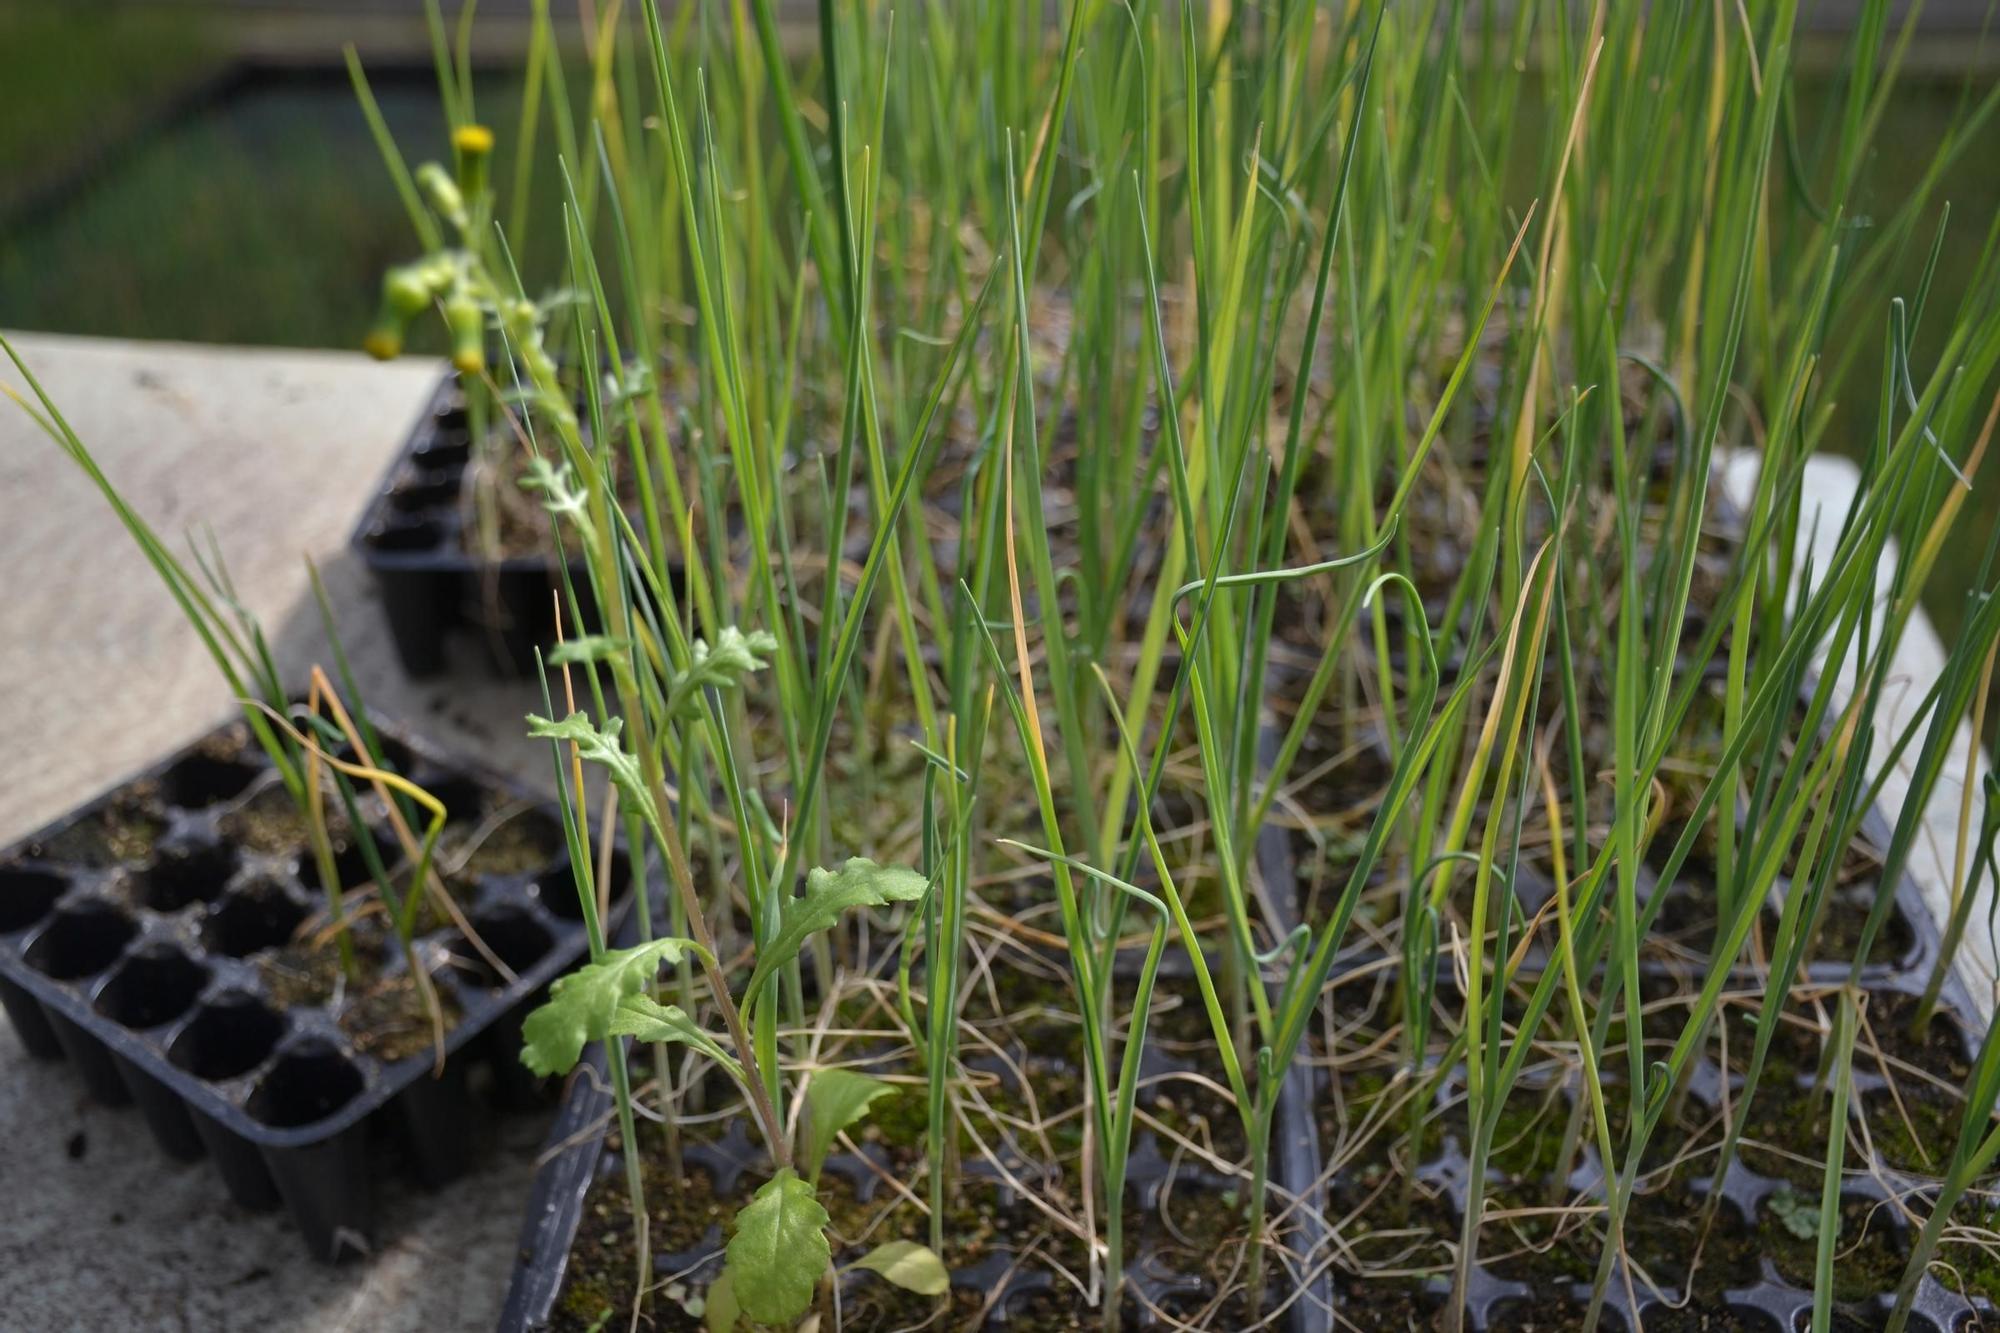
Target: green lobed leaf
(835,1099)
(647,1019)
(587,648)
(829,893)
(599,747)
(560,495)
(583,1005)
(720,666)
(779,1250)
(911,1266)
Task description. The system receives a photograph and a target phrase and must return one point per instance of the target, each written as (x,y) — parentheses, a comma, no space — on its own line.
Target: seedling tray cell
(143,938)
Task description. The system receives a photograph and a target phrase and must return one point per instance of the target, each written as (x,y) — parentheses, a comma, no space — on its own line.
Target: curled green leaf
(829,894)
(835,1099)
(587,648)
(911,1266)
(720,666)
(647,1019)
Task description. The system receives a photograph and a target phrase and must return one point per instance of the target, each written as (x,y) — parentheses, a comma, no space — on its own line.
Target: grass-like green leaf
(779,1250)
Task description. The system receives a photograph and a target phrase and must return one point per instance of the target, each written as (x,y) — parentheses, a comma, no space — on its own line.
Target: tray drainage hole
(349,862)
(513,936)
(81,940)
(230,1037)
(556,887)
(260,916)
(152,988)
(308,1083)
(406,533)
(26,895)
(201,780)
(189,875)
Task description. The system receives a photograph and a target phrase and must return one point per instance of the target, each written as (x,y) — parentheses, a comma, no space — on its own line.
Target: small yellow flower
(473,145)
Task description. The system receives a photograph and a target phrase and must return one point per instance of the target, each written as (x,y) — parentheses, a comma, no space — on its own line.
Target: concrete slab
(98,674)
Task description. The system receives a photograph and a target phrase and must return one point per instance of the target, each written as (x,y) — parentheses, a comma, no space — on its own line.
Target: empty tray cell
(424,490)
(230,1036)
(442,451)
(511,934)
(350,863)
(556,887)
(202,780)
(253,917)
(308,1083)
(529,840)
(407,533)
(81,940)
(196,874)
(258,915)
(152,987)
(459,796)
(27,894)
(124,830)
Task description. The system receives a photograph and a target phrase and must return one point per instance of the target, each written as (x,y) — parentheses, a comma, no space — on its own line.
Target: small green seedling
(1798,1214)
(779,1252)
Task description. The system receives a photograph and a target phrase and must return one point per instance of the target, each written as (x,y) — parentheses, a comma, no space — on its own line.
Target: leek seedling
(770,256)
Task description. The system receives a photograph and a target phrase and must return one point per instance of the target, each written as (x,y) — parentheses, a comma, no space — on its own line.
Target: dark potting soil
(1001,1249)
(1019,1141)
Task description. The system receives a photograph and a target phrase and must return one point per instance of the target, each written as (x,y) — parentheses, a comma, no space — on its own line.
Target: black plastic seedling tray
(1769,1303)
(578,1154)
(136,937)
(434,591)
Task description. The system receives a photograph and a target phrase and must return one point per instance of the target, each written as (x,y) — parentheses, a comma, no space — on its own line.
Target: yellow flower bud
(384,342)
(467,323)
(406,289)
(473,145)
(443,193)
